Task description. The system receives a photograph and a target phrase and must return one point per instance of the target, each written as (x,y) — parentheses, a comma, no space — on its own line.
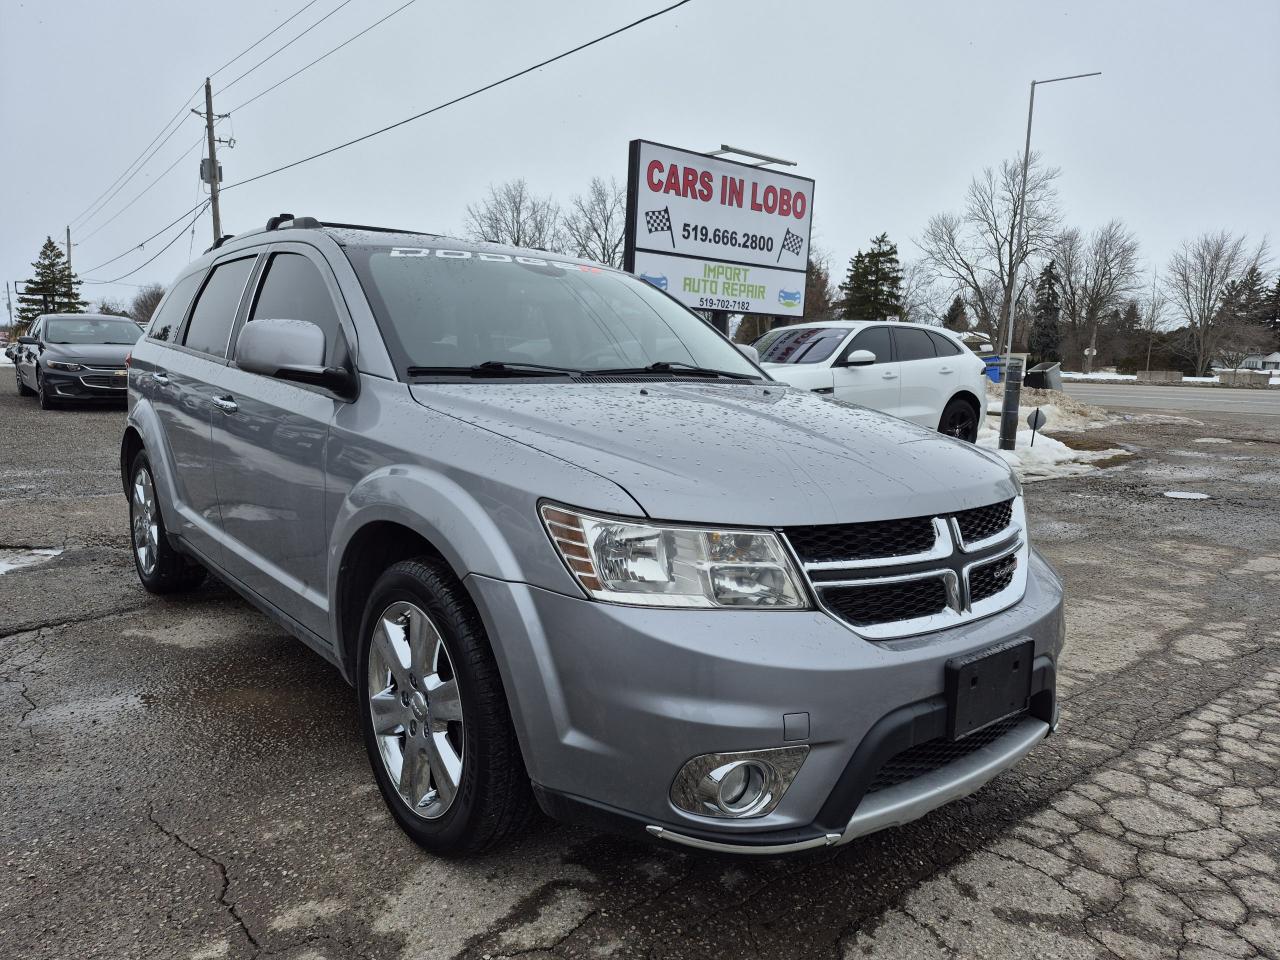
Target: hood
(744,454)
(107,354)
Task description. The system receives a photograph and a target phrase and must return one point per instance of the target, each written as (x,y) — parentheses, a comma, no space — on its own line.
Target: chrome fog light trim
(749,783)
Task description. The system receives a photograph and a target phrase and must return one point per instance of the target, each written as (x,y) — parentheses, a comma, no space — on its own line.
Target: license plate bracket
(988,685)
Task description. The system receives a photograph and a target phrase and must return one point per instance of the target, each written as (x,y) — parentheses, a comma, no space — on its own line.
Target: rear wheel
(161,568)
(959,420)
(434,713)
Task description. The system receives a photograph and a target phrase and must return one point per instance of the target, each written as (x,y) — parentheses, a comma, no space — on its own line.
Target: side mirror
(291,350)
(29,340)
(859,358)
(750,352)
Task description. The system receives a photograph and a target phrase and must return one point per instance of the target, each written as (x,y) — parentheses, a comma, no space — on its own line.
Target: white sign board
(717,234)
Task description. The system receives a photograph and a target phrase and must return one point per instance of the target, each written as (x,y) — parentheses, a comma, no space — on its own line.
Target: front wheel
(42,393)
(959,420)
(434,713)
(23,389)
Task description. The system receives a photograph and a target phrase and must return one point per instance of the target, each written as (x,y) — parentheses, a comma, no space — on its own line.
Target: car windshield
(119,330)
(805,345)
(451,308)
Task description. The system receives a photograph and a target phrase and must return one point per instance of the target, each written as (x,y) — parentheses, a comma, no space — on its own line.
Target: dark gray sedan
(75,356)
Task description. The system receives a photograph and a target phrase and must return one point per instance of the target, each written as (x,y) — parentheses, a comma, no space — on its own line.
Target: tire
(46,402)
(23,389)
(959,420)
(161,568)
(426,669)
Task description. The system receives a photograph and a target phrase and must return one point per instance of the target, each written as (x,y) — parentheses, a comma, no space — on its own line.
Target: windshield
(447,308)
(806,345)
(119,330)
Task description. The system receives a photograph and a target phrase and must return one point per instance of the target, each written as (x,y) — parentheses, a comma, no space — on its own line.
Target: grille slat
(990,579)
(983,522)
(887,602)
(937,753)
(862,541)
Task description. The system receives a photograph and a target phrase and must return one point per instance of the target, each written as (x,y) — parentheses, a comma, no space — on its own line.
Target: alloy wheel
(145,521)
(961,423)
(416,709)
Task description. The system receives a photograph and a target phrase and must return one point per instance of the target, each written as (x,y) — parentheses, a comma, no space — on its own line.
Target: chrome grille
(896,578)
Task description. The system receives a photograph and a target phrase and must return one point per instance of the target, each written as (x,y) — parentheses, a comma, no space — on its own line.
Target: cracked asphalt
(180,779)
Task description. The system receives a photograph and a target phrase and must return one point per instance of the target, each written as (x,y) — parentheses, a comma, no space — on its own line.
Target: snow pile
(1063,413)
(1101,375)
(1048,459)
(15,558)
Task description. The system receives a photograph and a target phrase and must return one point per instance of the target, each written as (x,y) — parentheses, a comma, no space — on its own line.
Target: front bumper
(610,701)
(86,384)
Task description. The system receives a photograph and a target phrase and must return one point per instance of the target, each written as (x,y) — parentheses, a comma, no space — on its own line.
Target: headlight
(62,365)
(629,561)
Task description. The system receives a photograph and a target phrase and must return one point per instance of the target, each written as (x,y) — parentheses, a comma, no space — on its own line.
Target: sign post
(717,234)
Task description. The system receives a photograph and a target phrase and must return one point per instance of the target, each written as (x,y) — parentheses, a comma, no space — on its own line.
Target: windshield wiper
(496,368)
(680,367)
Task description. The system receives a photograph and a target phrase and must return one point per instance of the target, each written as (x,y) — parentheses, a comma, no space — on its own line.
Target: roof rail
(361,226)
(287,221)
(220,241)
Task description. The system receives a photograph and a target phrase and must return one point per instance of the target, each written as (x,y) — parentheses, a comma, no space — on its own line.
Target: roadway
(1180,400)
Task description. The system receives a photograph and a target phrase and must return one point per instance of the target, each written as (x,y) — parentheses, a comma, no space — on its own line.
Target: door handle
(889,376)
(161,379)
(944,369)
(225,404)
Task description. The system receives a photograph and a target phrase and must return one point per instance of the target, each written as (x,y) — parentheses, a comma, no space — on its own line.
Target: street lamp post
(1012,385)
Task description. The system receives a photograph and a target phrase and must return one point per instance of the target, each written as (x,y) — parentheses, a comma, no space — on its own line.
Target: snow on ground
(1185,495)
(1047,459)
(1132,377)
(12,559)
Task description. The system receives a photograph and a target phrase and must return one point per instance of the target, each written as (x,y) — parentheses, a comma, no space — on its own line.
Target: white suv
(919,373)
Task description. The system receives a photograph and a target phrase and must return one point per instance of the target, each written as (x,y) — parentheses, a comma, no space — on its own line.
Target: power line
(153,259)
(285,47)
(465,96)
(177,116)
(322,56)
(139,246)
(138,196)
(282,23)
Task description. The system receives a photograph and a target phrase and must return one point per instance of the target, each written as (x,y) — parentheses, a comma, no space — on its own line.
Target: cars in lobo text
(574,550)
(919,373)
(74,356)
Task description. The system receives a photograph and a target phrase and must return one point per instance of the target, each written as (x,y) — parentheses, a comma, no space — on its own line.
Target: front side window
(913,344)
(120,330)
(875,339)
(215,311)
(461,308)
(805,345)
(294,289)
(168,319)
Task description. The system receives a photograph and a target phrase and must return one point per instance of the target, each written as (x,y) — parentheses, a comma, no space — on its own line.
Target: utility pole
(9,303)
(213,160)
(68,249)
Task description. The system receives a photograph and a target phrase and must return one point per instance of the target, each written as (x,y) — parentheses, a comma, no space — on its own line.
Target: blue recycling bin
(995,368)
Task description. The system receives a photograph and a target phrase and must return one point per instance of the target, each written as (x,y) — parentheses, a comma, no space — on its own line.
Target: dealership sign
(717,234)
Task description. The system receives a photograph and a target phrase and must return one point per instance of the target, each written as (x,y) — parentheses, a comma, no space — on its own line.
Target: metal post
(1009,412)
(1020,237)
(8,302)
(213,160)
(68,249)
(720,320)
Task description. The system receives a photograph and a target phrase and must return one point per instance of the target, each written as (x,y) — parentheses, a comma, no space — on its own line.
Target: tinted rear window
(215,311)
(806,345)
(913,344)
(945,346)
(168,319)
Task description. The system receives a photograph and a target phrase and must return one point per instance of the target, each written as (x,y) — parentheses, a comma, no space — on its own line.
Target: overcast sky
(890,107)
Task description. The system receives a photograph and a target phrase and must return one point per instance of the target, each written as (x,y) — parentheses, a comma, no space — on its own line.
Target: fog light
(737,785)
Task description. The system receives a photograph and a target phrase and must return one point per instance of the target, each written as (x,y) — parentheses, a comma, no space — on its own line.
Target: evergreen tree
(52,289)
(1271,310)
(956,318)
(1046,333)
(872,289)
(1247,297)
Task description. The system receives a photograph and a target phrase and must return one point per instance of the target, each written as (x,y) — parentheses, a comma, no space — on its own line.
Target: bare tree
(981,250)
(594,225)
(1197,280)
(920,300)
(145,302)
(1152,317)
(1097,272)
(512,215)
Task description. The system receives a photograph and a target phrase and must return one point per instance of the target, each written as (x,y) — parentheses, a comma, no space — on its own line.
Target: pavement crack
(227,904)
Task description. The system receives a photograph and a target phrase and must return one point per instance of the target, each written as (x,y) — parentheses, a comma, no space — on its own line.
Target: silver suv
(575,551)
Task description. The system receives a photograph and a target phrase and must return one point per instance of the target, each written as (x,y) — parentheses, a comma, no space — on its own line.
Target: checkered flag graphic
(659,221)
(791,243)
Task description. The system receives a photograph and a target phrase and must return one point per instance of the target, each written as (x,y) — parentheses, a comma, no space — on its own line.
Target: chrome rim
(416,709)
(146,521)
